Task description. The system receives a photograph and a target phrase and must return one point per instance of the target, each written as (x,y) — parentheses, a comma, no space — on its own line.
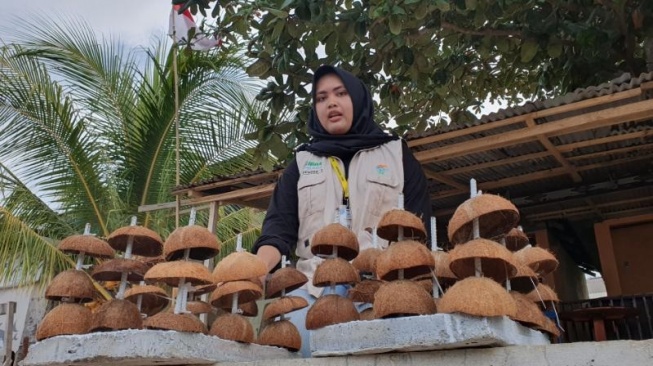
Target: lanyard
(341,177)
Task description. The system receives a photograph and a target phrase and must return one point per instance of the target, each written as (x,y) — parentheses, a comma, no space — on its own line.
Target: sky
(134,22)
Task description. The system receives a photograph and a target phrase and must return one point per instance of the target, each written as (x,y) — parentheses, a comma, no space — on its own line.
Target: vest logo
(312,167)
(381,169)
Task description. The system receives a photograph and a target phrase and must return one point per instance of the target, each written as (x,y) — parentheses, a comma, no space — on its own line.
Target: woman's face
(333,105)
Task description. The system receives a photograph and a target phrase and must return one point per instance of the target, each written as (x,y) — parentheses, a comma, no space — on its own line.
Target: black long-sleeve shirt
(281,223)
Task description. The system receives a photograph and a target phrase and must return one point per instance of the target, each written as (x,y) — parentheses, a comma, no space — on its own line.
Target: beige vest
(376,178)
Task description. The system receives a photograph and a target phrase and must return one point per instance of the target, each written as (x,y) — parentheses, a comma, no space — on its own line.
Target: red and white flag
(179,26)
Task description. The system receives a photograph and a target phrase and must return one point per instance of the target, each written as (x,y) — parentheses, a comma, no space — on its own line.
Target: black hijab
(364,132)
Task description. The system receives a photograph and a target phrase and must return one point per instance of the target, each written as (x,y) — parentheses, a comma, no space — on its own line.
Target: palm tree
(87,134)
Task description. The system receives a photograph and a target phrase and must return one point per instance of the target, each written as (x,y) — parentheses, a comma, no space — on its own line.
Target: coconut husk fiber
(402,298)
(335,271)
(329,310)
(525,280)
(283,305)
(203,289)
(528,314)
(367,314)
(116,315)
(497,262)
(287,278)
(197,307)
(239,266)
(477,296)
(282,334)
(88,244)
(112,270)
(171,273)
(233,327)
(442,270)
(64,319)
(365,262)
(202,243)
(335,235)
(549,327)
(496,216)
(249,309)
(146,242)
(188,323)
(516,239)
(364,291)
(153,298)
(152,261)
(247,291)
(540,260)
(543,293)
(391,221)
(411,256)
(71,286)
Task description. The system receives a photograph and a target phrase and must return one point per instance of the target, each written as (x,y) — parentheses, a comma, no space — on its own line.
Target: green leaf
(554,48)
(258,68)
(470,4)
(407,118)
(395,25)
(528,50)
(277,13)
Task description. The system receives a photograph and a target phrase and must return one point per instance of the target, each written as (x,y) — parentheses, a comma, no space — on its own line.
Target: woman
(349,161)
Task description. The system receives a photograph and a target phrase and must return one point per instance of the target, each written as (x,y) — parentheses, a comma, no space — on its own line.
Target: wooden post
(8,309)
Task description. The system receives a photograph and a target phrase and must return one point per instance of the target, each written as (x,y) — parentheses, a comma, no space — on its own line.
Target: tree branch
(484,32)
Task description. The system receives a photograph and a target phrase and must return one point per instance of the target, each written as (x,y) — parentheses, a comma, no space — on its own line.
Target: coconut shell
(180,322)
(543,293)
(367,314)
(233,327)
(112,270)
(516,239)
(146,242)
(528,314)
(152,261)
(540,260)
(496,217)
(283,305)
(171,273)
(478,296)
(329,310)
(249,309)
(202,243)
(402,298)
(524,280)
(335,271)
(153,298)
(87,244)
(411,256)
(71,286)
(391,221)
(365,262)
(335,235)
(287,278)
(64,319)
(364,291)
(442,270)
(549,327)
(282,334)
(197,307)
(247,291)
(496,261)
(116,315)
(239,266)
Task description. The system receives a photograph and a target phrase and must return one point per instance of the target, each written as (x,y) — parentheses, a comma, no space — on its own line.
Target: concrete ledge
(421,333)
(146,347)
(610,353)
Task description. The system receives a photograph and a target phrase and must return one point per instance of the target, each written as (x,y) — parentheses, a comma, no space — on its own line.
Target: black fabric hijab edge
(364,133)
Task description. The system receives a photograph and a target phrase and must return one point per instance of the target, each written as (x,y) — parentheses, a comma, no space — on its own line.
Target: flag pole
(176,92)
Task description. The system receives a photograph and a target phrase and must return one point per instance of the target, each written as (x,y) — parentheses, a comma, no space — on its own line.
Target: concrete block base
(146,347)
(421,333)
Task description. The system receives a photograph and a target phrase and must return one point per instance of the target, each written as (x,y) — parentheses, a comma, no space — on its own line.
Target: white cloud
(134,22)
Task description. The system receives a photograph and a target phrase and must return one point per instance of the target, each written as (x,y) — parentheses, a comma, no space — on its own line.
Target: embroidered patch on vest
(312,167)
(381,169)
